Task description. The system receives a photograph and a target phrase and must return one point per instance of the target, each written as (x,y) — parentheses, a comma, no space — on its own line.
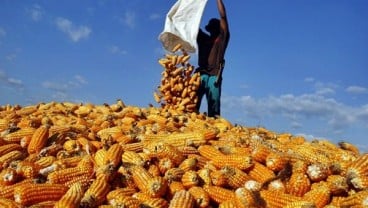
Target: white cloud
(75,33)
(299,109)
(2,32)
(116,50)
(154,16)
(11,82)
(75,82)
(128,19)
(36,12)
(356,90)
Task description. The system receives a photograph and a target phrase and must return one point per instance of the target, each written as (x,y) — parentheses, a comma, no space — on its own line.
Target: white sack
(182,25)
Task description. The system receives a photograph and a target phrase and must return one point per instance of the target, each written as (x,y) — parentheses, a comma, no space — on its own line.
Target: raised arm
(223,18)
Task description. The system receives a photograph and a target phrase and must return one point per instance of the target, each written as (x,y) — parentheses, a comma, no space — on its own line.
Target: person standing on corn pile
(211,52)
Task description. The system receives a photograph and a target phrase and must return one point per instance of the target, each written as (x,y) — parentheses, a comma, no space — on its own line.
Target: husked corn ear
(72,198)
(155,203)
(124,201)
(218,178)
(7,158)
(319,194)
(245,198)
(8,203)
(219,194)
(6,148)
(228,204)
(261,173)
(175,186)
(126,191)
(182,199)
(8,176)
(242,162)
(276,161)
(96,193)
(355,200)
(350,147)
(156,187)
(38,140)
(29,194)
(163,150)
(278,200)
(209,151)
(318,172)
(190,178)
(201,197)
(113,155)
(357,172)
(235,177)
(16,136)
(189,164)
(301,204)
(8,191)
(82,173)
(140,176)
(338,185)
(299,184)
(133,158)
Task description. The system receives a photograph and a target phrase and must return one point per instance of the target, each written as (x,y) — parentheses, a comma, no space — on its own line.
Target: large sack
(182,25)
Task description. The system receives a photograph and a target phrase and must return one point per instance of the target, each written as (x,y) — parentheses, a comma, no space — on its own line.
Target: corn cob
(188,164)
(68,176)
(18,135)
(218,178)
(126,191)
(209,151)
(355,200)
(174,174)
(4,124)
(163,150)
(190,178)
(175,186)
(7,158)
(299,184)
(350,147)
(260,152)
(242,162)
(113,155)
(8,191)
(261,173)
(72,197)
(38,140)
(228,204)
(219,194)
(156,186)
(277,186)
(201,197)
(337,184)
(154,170)
(319,194)
(301,204)
(140,176)
(135,146)
(155,203)
(8,203)
(124,201)
(357,172)
(204,175)
(182,199)
(96,193)
(132,158)
(245,198)
(318,172)
(6,148)
(235,177)
(29,194)
(8,176)
(278,201)
(276,161)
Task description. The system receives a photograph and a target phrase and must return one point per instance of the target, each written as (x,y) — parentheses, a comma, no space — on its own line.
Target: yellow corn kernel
(260,153)
(176,48)
(163,150)
(124,201)
(228,204)
(358,199)
(29,194)
(356,172)
(140,176)
(38,140)
(96,193)
(200,195)
(8,191)
(72,198)
(154,170)
(182,199)
(175,186)
(337,184)
(16,136)
(301,204)
(135,146)
(276,161)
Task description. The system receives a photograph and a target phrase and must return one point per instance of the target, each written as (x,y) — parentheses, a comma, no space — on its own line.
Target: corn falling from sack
(178,89)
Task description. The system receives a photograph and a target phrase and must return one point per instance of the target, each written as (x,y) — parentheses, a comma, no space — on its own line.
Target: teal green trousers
(212,90)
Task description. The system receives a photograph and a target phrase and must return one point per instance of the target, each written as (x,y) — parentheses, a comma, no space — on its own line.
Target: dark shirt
(211,52)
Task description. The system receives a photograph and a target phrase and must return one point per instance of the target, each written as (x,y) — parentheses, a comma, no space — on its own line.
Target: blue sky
(292,66)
